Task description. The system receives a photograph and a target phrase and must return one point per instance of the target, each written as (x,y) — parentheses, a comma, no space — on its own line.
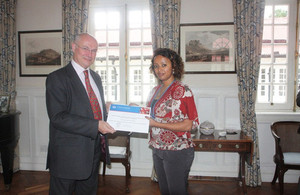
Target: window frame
(123,7)
(289,104)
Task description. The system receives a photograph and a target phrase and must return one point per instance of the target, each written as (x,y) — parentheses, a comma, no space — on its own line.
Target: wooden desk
(239,143)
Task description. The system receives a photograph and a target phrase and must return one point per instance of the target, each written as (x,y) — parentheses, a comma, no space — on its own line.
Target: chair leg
(298,187)
(104,169)
(275,175)
(128,175)
(281,179)
(128,167)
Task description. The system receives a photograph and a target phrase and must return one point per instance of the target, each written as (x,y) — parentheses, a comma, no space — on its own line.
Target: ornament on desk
(207,128)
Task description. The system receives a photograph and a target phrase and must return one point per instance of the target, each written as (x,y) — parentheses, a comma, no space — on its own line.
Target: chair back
(287,149)
(118,139)
(287,136)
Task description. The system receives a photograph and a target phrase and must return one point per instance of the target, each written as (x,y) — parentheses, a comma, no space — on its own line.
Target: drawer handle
(200,146)
(219,145)
(237,146)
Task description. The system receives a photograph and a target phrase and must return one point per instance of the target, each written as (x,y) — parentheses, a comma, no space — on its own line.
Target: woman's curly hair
(176,61)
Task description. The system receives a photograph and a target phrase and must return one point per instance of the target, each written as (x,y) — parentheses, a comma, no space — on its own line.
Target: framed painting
(40,52)
(207,48)
(4,103)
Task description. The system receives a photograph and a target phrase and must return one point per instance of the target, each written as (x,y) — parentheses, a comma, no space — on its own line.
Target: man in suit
(74,150)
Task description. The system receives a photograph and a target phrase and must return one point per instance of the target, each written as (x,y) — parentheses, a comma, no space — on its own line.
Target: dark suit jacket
(298,99)
(73,129)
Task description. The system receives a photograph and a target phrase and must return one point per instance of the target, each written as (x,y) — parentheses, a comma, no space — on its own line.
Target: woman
(173,116)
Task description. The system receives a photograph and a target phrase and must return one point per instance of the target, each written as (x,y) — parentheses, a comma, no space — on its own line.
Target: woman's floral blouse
(175,105)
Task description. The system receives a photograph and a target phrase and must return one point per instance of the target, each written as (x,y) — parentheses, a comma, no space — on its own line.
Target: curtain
(8,58)
(248,26)
(165,22)
(75,21)
(8,50)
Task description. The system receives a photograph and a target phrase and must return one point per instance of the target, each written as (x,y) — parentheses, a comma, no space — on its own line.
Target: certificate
(129,118)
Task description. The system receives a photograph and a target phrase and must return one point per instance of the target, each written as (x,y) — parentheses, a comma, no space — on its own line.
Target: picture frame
(4,103)
(40,52)
(207,48)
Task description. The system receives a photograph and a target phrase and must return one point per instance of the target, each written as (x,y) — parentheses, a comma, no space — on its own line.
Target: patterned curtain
(8,50)
(165,21)
(75,21)
(8,58)
(248,26)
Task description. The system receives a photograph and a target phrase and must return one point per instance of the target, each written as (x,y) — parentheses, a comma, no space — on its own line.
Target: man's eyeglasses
(86,49)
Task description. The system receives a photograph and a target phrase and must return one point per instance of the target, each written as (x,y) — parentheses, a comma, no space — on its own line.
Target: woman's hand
(151,121)
(185,125)
(133,104)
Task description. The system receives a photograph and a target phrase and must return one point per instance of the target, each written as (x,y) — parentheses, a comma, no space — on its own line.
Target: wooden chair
(287,149)
(119,148)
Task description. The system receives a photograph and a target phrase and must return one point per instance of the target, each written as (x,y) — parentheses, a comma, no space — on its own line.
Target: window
(277,71)
(123,30)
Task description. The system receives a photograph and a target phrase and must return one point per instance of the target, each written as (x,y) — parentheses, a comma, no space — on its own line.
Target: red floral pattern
(178,93)
(167,137)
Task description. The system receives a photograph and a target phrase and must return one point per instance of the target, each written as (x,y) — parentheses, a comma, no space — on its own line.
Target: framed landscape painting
(40,52)
(207,48)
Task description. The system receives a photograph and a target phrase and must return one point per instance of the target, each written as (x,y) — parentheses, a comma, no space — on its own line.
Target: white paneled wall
(218,105)
(33,129)
(221,107)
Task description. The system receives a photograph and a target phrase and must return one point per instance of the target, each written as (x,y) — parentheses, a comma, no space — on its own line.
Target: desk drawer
(223,147)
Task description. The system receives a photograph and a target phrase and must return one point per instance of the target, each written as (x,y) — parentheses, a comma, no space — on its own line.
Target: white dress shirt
(79,70)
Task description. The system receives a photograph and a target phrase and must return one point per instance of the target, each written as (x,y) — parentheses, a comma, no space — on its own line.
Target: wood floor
(36,182)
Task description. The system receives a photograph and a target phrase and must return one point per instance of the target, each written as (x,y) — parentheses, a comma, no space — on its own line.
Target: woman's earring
(173,71)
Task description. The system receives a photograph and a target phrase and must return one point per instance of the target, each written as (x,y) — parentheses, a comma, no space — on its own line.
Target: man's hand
(104,128)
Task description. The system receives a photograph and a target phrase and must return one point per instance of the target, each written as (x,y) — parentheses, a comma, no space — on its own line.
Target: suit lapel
(76,82)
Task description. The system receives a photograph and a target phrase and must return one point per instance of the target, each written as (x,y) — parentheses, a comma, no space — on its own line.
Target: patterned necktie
(96,109)
(93,99)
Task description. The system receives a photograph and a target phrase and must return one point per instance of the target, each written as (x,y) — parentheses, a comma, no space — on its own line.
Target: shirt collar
(79,69)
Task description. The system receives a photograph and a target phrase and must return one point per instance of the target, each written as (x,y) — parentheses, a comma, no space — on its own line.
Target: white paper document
(129,118)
